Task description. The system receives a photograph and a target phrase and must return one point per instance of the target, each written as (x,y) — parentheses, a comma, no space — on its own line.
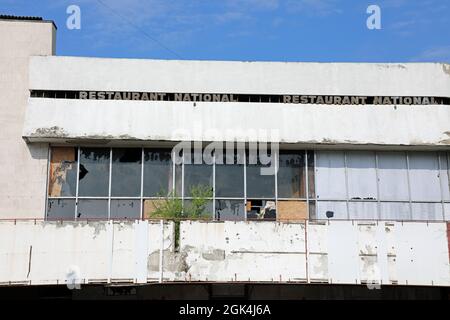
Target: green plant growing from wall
(170,207)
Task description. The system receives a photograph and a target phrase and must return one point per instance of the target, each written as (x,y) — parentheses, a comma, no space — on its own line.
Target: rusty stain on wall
(446,68)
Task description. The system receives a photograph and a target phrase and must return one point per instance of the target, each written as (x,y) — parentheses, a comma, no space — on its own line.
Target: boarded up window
(94,172)
(157,172)
(126,172)
(151,206)
(291,175)
(63,172)
(292,210)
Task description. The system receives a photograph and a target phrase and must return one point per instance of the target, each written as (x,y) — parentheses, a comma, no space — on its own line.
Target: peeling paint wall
(335,252)
(175,121)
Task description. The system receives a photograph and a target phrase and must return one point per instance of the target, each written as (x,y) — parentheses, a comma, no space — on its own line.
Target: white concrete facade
(316,125)
(24,166)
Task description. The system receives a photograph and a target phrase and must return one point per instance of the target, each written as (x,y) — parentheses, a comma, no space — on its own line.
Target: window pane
(63,172)
(332,210)
(395,211)
(362,176)
(445,175)
(259,185)
(311,178)
(191,211)
(157,172)
(94,172)
(197,175)
(126,172)
(92,209)
(330,175)
(126,209)
(230,177)
(393,175)
(424,176)
(61,209)
(232,210)
(291,175)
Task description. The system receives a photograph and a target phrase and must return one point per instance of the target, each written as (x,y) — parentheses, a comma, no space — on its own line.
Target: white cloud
(435,54)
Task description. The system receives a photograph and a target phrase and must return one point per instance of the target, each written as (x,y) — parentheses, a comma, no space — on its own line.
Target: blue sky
(267,30)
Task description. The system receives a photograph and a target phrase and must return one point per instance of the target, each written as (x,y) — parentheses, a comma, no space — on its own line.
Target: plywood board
(292,210)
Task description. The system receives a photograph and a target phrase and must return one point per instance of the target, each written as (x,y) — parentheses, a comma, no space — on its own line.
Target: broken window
(94,172)
(231,210)
(157,172)
(126,172)
(230,176)
(63,172)
(125,209)
(61,209)
(261,209)
(92,209)
(291,177)
(260,184)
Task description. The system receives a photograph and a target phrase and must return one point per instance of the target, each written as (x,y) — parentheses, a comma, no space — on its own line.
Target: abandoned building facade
(357,186)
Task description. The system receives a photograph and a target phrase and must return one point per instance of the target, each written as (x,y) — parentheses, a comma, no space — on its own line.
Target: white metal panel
(422,254)
(362,210)
(393,176)
(424,176)
(267,267)
(427,211)
(395,211)
(343,258)
(330,175)
(361,175)
(264,237)
(336,210)
(447,211)
(317,251)
(140,250)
